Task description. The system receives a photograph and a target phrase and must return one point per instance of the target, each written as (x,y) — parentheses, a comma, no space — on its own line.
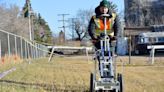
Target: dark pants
(98,45)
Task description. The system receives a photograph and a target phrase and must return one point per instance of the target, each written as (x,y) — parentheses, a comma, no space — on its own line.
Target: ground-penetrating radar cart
(108,80)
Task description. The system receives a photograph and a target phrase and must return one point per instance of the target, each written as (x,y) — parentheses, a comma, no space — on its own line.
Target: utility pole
(29,18)
(73,26)
(63,20)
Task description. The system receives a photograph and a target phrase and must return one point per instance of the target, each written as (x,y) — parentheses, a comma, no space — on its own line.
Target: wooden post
(129,49)
(52,52)
(152,53)
(152,60)
(87,54)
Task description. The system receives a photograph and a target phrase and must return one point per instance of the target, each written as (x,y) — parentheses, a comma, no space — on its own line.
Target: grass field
(71,74)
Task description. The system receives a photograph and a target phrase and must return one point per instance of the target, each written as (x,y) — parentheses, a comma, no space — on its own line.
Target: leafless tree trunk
(81,23)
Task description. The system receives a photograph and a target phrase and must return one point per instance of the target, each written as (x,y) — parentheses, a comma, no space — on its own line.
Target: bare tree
(81,23)
(12,21)
(144,12)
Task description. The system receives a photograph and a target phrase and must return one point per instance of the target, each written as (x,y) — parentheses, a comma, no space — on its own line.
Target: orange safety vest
(100,25)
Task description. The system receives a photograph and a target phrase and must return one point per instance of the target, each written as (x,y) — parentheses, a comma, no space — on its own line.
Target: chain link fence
(11,44)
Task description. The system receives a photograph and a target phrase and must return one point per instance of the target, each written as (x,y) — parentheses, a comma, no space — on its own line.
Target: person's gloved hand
(112,37)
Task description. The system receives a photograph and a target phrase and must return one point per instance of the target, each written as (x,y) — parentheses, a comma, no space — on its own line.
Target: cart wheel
(120,79)
(91,83)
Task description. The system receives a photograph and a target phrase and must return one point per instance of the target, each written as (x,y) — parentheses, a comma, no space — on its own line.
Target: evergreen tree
(112,6)
(42,32)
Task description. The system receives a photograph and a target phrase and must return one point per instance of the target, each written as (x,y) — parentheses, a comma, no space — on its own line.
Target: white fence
(153,48)
(11,44)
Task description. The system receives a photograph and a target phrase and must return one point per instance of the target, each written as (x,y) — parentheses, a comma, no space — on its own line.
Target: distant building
(144,33)
(61,38)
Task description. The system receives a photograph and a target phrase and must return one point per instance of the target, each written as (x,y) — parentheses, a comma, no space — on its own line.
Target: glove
(112,37)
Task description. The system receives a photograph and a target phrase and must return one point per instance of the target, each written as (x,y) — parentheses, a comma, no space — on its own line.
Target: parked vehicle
(148,38)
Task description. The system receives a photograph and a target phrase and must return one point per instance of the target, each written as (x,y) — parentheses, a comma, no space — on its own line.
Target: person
(96,24)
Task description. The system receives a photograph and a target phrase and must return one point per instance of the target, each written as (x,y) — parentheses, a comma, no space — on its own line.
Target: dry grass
(143,79)
(61,74)
(7,62)
(140,75)
(72,74)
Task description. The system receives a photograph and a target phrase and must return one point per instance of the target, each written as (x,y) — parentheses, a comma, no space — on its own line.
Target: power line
(63,20)
(73,20)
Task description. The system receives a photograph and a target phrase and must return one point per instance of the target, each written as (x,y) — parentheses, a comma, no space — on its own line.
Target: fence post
(8,40)
(21,48)
(37,50)
(33,49)
(31,52)
(152,55)
(16,52)
(44,52)
(29,56)
(28,50)
(25,44)
(41,50)
(130,48)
